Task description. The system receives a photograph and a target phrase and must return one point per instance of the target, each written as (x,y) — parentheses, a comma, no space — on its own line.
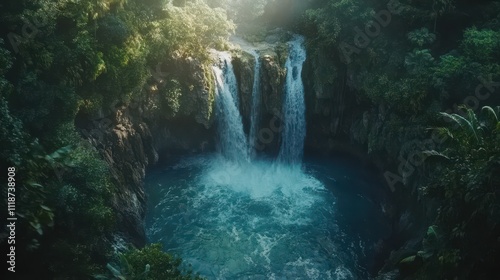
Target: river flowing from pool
(265,220)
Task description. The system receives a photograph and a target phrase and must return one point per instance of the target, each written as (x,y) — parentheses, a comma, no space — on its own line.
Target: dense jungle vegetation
(431,67)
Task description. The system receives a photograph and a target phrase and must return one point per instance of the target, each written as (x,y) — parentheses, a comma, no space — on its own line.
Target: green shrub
(148,263)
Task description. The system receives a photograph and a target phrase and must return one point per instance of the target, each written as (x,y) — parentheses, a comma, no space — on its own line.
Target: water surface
(265,220)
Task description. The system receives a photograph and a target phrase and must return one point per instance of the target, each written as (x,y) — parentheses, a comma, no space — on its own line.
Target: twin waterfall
(233,143)
(239,215)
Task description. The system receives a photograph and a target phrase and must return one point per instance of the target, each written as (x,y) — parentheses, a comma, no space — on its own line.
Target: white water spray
(256,101)
(236,218)
(292,146)
(232,143)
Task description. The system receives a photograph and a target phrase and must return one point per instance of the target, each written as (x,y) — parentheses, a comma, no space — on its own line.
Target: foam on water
(236,217)
(259,220)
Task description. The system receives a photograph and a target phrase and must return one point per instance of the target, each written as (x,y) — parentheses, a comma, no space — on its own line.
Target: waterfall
(292,145)
(256,100)
(232,142)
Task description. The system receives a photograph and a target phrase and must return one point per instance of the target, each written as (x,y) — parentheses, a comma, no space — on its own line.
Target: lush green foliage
(426,57)
(464,240)
(189,30)
(466,186)
(241,11)
(148,263)
(61,58)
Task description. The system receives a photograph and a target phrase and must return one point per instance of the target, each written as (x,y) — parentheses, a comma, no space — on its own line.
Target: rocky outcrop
(125,142)
(130,144)
(135,135)
(244,65)
(198,97)
(272,57)
(273,75)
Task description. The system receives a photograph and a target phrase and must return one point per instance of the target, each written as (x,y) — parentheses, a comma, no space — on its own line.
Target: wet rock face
(132,137)
(130,141)
(244,65)
(273,75)
(198,96)
(126,144)
(272,80)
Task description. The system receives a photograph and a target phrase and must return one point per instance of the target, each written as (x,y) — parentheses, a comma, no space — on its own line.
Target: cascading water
(235,218)
(256,100)
(232,142)
(292,145)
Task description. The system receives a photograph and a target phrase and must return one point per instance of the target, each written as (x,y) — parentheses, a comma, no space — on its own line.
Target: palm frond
(462,122)
(491,112)
(491,117)
(434,153)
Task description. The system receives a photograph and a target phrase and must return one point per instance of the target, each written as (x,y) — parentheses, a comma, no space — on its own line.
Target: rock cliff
(134,135)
